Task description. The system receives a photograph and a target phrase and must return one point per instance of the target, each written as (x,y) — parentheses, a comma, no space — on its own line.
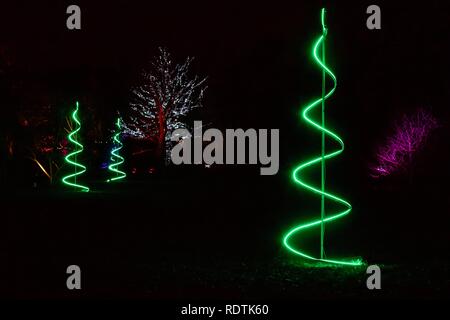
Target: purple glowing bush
(410,135)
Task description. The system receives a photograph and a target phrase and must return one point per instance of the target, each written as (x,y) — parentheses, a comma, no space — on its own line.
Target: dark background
(193,233)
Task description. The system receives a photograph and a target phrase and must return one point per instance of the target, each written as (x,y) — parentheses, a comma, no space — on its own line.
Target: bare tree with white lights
(161,104)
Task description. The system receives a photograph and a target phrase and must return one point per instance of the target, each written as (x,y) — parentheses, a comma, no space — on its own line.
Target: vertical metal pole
(322,211)
(76,139)
(75,167)
(118,130)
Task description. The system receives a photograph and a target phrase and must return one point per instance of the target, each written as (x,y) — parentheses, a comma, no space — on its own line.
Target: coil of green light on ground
(116,159)
(71,158)
(296,175)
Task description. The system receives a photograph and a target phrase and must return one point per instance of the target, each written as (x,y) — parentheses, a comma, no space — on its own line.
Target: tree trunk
(161,148)
(410,169)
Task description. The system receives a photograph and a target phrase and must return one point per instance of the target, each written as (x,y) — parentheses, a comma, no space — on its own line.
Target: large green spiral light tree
(320,160)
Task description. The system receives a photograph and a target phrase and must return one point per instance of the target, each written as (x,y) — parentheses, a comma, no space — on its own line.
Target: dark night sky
(256,55)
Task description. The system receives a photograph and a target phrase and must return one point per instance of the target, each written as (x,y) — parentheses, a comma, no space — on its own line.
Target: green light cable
(321,159)
(78,149)
(117,159)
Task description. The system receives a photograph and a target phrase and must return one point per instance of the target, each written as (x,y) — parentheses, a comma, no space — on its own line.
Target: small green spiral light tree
(116,158)
(71,158)
(296,175)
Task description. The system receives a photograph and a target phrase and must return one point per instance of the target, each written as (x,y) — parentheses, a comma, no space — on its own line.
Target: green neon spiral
(71,158)
(296,175)
(117,159)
